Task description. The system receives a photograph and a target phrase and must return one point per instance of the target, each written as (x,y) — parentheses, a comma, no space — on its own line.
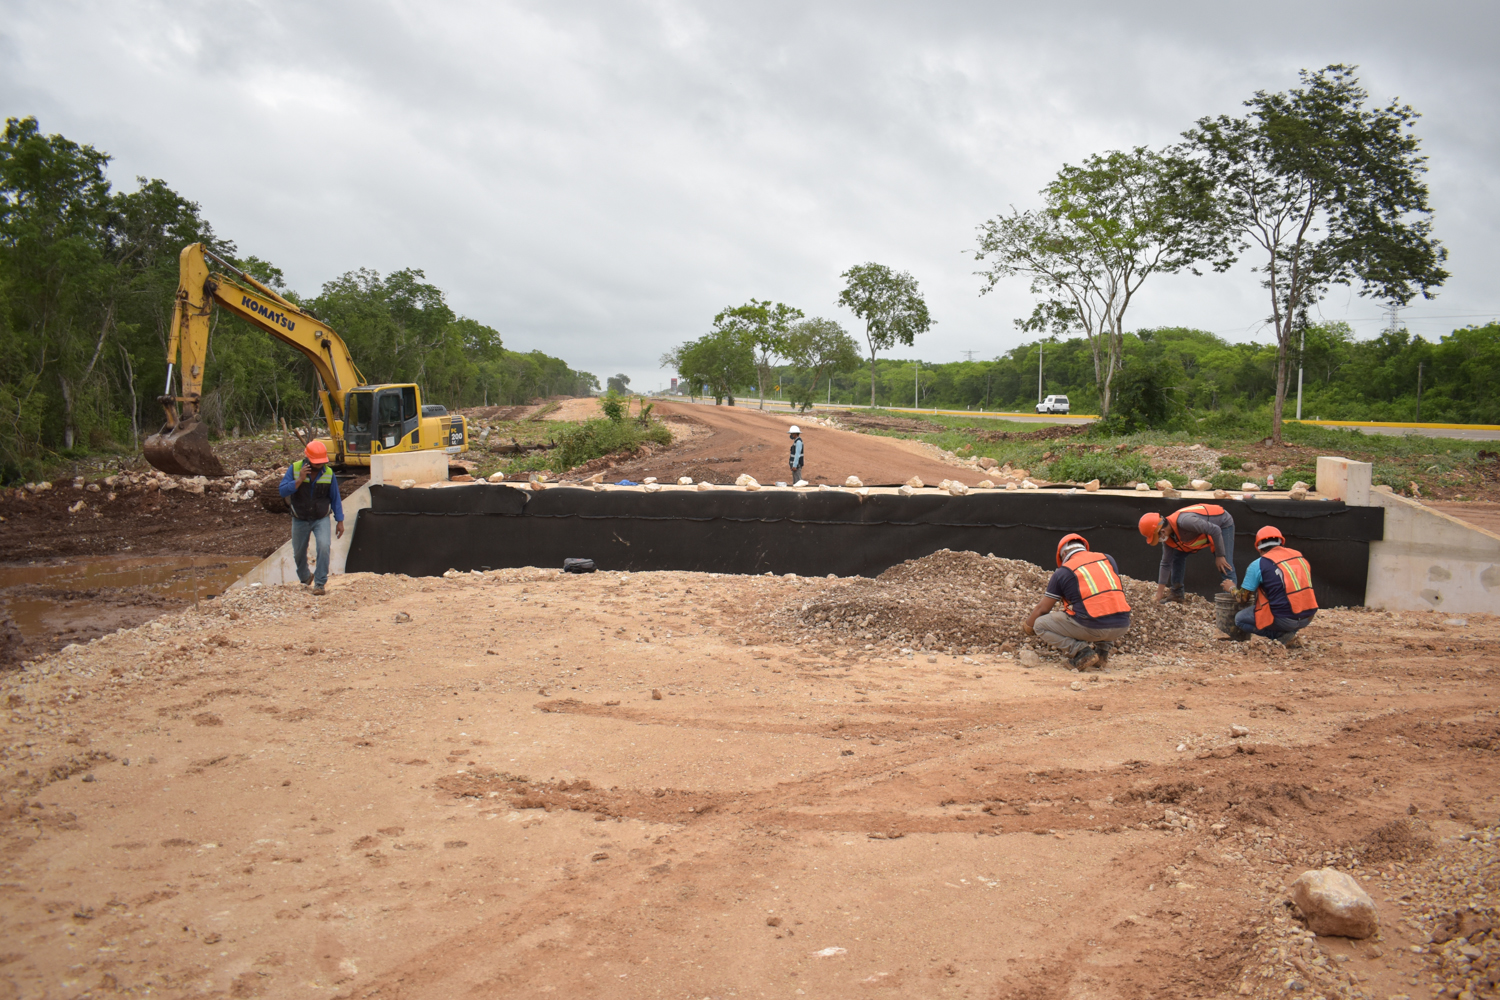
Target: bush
(1109,469)
(613,406)
(1143,397)
(596,438)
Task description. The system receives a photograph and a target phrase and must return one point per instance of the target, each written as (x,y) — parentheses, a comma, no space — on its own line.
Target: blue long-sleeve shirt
(796,454)
(288,486)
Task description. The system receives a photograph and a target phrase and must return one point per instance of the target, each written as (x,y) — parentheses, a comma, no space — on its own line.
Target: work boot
(1174,596)
(318,591)
(1084,658)
(1103,649)
(1290,641)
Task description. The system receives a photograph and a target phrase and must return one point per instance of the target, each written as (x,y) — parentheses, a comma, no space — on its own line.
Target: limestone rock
(1164,484)
(597,477)
(1142,488)
(945,484)
(1300,485)
(1092,486)
(705,485)
(1027,484)
(957,488)
(914,482)
(649,480)
(685,481)
(653,487)
(407,484)
(1249,486)
(1221,494)
(497,477)
(1010,486)
(1201,484)
(822,487)
(1238,732)
(987,463)
(752,486)
(907,490)
(1334,904)
(1298,495)
(853,482)
(745,479)
(985,484)
(1029,658)
(800,482)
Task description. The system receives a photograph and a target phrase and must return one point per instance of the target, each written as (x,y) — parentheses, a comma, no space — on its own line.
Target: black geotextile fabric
(423,532)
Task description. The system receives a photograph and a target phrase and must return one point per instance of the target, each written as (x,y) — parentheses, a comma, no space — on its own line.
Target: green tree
(722,361)
(1105,227)
(818,348)
(763,325)
(891,306)
(1331,193)
(619,384)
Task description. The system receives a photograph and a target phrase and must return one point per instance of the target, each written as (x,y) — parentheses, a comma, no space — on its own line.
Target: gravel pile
(962,601)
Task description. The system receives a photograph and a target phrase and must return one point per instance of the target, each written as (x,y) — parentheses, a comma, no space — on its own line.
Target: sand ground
(522,783)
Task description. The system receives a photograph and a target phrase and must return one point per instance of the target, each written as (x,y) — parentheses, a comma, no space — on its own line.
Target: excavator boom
(181,446)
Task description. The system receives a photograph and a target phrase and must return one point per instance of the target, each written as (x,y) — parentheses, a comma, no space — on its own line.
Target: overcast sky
(598,179)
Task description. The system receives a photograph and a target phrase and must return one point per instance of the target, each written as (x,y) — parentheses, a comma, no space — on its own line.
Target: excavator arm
(181,446)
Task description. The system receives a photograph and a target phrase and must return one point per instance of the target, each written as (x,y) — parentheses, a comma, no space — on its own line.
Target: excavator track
(183,450)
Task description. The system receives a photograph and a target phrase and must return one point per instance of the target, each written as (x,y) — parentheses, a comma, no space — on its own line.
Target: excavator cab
(381,418)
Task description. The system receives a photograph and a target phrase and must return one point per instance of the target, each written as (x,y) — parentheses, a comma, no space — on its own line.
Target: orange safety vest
(1202,541)
(1296,580)
(1098,583)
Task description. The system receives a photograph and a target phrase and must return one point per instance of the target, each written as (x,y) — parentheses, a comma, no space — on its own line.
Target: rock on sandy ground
(274,795)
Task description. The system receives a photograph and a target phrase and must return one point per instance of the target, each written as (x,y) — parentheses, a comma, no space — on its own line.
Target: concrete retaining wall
(279,567)
(1430,561)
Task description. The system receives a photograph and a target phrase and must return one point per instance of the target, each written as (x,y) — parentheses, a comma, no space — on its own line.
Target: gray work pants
(1066,634)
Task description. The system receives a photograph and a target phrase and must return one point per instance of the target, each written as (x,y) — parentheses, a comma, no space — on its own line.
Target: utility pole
(1040,349)
(1301,351)
(1419,390)
(968,355)
(916,387)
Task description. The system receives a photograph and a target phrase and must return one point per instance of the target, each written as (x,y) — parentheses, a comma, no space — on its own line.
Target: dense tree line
(1177,373)
(87,279)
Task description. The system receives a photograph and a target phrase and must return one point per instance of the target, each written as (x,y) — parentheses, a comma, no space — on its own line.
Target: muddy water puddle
(76,600)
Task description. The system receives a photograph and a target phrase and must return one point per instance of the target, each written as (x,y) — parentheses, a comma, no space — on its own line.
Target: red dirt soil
(746,440)
(619,785)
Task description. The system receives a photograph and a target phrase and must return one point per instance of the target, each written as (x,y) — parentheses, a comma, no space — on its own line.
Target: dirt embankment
(636,785)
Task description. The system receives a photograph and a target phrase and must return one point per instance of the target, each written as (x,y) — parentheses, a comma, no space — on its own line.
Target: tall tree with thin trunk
(763,325)
(891,306)
(1105,227)
(1330,191)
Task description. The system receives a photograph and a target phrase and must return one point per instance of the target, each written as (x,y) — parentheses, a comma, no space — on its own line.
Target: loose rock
(1334,904)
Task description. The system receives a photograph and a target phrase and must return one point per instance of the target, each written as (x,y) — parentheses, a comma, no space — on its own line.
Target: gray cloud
(598,179)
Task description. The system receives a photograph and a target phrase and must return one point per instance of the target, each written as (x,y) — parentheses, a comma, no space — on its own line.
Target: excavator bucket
(183,450)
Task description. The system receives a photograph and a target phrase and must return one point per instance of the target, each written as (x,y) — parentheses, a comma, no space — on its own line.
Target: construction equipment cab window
(395,415)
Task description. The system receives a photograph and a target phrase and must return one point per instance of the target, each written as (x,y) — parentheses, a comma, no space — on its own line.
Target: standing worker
(1180,534)
(312,490)
(1282,582)
(797,454)
(1094,611)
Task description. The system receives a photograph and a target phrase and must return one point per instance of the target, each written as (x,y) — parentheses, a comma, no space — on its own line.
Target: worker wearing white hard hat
(795,461)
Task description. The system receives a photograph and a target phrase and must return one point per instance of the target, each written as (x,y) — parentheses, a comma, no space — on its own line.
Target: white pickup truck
(1053,404)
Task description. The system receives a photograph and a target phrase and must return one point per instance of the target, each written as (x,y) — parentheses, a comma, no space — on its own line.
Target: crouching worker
(1094,610)
(1281,580)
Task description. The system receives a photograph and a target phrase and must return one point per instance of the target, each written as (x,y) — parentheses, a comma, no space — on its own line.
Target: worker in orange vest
(1281,580)
(1180,534)
(1094,610)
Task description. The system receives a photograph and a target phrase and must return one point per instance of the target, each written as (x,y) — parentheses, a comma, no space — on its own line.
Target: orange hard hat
(1149,525)
(316,453)
(1070,541)
(1268,533)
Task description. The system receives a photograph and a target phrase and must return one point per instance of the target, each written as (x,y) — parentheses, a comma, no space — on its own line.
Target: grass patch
(590,440)
(1110,468)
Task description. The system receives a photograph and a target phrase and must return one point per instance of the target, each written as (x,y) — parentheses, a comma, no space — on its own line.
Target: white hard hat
(794,429)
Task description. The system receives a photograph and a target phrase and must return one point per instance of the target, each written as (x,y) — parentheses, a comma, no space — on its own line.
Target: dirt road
(524,783)
(746,440)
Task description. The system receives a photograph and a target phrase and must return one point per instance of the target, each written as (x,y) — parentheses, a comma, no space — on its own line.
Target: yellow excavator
(363,420)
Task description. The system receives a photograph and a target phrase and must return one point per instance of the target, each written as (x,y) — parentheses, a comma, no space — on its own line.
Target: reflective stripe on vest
(317,493)
(1098,585)
(1296,580)
(1202,541)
